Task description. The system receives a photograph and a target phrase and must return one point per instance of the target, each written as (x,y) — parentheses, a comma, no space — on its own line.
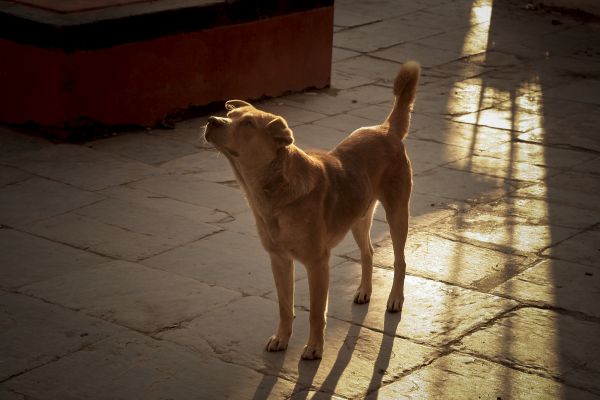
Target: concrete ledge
(77,74)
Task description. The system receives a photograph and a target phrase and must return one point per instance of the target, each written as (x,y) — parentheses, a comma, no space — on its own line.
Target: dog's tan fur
(304,203)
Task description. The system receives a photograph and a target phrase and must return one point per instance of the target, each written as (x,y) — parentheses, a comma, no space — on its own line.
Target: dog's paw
(362,296)
(394,304)
(312,352)
(277,343)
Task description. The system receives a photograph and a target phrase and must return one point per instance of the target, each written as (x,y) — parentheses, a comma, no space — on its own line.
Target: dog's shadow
(308,370)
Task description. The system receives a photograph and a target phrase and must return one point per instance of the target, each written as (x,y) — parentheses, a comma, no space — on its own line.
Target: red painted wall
(139,83)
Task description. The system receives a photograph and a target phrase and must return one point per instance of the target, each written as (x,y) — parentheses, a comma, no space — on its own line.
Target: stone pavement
(131,269)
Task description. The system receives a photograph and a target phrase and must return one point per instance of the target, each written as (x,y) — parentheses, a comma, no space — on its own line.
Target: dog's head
(247,135)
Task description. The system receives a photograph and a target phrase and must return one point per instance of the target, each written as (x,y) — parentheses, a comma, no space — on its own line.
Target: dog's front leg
(318,284)
(283,273)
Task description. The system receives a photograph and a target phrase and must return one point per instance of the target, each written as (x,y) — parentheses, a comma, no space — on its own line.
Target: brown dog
(305,203)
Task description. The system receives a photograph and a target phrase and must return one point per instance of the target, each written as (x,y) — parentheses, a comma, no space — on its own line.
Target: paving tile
(473,137)
(121,230)
(293,115)
(242,222)
(509,233)
(193,190)
(467,377)
(34,333)
(206,165)
(342,54)
(38,198)
(433,312)
(321,102)
(556,283)
(164,205)
(585,91)
(354,358)
(460,42)
(13,143)
(460,185)
(347,123)
(374,69)
(536,154)
(132,366)
(462,264)
(7,394)
(10,175)
(149,149)
(428,57)
(591,166)
(132,295)
(188,131)
(544,342)
(228,259)
(368,94)
(381,9)
(348,19)
(502,168)
(82,167)
(26,259)
(555,195)
(316,137)
(502,119)
(381,34)
(425,155)
(376,113)
(344,80)
(582,248)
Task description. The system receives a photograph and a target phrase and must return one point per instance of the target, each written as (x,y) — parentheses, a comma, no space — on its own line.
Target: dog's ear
(233,104)
(281,132)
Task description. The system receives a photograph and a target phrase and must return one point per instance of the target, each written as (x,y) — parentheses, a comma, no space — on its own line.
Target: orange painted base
(139,83)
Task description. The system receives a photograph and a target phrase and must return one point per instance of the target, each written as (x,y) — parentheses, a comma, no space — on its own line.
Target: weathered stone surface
(583,248)
(466,377)
(509,233)
(346,123)
(585,91)
(33,333)
(433,312)
(501,168)
(7,394)
(348,19)
(38,198)
(556,283)
(450,261)
(427,56)
(149,149)
(368,94)
(425,155)
(27,259)
(132,366)
(13,143)
(192,190)
(502,119)
(321,102)
(377,113)
(345,80)
(206,165)
(381,34)
(354,358)
(118,229)
(10,175)
(132,295)
(82,167)
(544,342)
(227,259)
(163,204)
(460,185)
(342,54)
(557,195)
(293,115)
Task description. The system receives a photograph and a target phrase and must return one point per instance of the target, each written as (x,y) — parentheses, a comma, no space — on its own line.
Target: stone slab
(428,57)
(38,198)
(322,102)
(344,80)
(583,248)
(445,260)
(348,19)
(10,175)
(542,342)
(381,34)
(206,165)
(508,233)
(129,294)
(163,204)
(293,115)
(341,54)
(227,259)
(132,366)
(467,377)
(575,197)
(354,358)
(193,190)
(149,149)
(585,91)
(346,123)
(433,312)
(502,168)
(121,230)
(26,259)
(13,143)
(461,185)
(368,94)
(82,167)
(34,333)
(556,283)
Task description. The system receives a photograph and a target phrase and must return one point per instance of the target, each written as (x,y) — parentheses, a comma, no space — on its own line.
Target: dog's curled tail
(405,86)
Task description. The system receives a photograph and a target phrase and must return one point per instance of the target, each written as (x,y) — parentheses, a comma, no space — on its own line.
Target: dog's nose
(215,121)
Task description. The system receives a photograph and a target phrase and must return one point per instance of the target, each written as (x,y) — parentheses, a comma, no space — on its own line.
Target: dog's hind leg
(283,273)
(397,216)
(361,231)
